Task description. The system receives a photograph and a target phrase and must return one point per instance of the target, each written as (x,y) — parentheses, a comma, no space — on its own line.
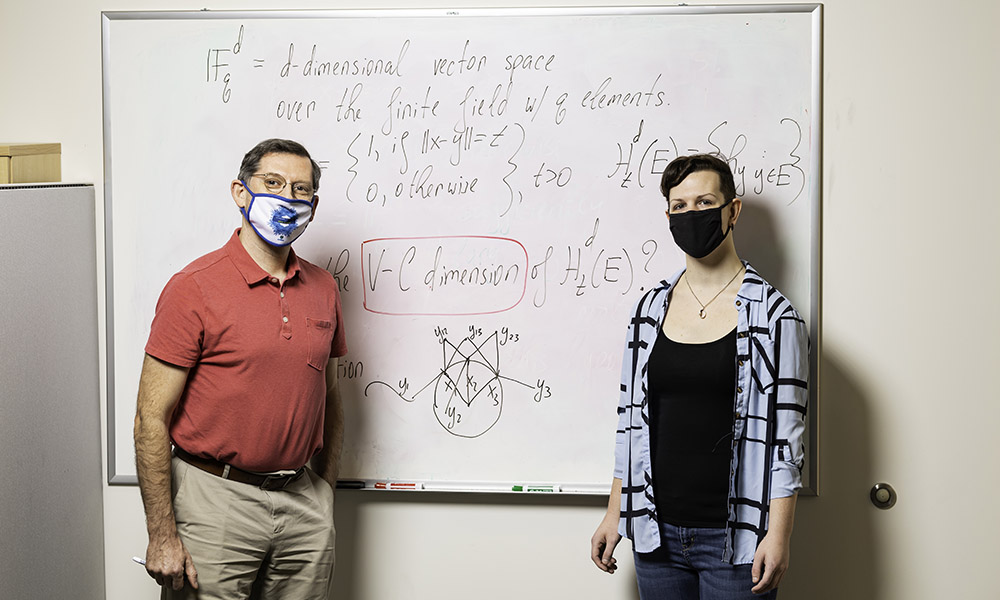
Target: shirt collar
(249,269)
(293,266)
(753,285)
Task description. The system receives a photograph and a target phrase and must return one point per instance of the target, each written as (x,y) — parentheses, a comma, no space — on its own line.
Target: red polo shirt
(256,393)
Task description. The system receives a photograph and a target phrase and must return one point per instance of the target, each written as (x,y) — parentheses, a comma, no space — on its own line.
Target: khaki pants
(250,543)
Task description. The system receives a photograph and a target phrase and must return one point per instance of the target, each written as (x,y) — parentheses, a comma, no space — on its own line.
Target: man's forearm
(152,460)
(160,386)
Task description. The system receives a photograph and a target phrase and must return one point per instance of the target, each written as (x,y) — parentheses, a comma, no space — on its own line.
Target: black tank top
(691,395)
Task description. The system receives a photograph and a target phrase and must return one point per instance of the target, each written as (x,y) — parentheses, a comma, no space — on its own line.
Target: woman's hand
(771,559)
(602,545)
(770,562)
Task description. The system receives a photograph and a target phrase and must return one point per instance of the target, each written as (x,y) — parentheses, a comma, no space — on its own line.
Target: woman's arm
(606,538)
(771,559)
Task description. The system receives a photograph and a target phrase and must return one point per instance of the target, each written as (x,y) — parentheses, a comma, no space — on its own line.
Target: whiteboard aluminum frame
(811,471)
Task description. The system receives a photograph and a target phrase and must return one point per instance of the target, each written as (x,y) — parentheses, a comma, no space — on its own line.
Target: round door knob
(883,496)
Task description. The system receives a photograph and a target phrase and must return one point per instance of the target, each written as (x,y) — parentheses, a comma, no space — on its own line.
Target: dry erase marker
(350,485)
(141,561)
(535,488)
(398,485)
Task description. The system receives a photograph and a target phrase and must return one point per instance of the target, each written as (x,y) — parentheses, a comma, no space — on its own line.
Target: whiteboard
(489,202)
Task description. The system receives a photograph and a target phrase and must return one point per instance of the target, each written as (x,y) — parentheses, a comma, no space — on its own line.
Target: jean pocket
(319,336)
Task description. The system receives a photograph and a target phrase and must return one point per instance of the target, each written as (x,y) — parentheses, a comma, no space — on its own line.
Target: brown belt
(220,469)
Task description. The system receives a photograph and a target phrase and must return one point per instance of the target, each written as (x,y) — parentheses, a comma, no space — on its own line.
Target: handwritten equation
(423,123)
(641,160)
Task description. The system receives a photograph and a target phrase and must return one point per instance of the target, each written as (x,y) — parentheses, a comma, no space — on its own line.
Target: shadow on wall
(835,553)
(835,549)
(758,242)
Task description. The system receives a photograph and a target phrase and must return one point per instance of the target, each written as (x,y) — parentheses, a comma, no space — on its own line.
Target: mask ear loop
(253,196)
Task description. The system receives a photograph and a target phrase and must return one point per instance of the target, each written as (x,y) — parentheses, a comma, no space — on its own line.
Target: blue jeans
(689,566)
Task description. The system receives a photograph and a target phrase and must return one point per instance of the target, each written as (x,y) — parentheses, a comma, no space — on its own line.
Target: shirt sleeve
(621,435)
(339,345)
(177,332)
(792,341)
(625,401)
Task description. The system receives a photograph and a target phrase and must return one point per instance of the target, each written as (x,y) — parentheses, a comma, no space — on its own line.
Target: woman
(709,450)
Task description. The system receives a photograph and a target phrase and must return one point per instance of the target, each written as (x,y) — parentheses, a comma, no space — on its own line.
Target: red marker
(397,485)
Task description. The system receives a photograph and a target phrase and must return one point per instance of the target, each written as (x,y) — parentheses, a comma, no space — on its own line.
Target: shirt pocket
(765,369)
(319,337)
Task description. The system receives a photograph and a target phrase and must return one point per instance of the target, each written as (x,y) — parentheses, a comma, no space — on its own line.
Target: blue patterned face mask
(275,219)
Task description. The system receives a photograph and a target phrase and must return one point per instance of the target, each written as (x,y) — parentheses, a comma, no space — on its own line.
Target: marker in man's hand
(141,561)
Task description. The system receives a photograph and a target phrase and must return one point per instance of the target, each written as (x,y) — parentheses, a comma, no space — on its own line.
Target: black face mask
(699,232)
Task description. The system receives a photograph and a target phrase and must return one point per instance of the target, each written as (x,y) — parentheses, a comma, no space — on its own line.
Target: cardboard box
(30,163)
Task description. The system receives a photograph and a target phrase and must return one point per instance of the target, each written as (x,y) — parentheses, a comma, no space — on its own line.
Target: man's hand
(603,543)
(168,562)
(770,562)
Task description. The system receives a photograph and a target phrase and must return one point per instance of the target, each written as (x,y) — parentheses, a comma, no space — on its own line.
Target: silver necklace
(701,313)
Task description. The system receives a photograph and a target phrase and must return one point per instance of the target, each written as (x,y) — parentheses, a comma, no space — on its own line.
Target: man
(240,374)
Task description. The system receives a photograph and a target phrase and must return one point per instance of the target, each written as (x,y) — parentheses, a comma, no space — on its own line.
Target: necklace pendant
(701,313)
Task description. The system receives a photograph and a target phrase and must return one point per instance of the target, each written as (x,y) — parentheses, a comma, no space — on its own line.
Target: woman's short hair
(682,166)
(251,161)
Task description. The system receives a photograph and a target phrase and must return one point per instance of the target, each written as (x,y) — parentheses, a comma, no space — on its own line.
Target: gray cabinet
(51,488)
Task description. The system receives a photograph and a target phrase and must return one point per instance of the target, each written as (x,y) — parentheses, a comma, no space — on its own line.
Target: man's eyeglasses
(275,184)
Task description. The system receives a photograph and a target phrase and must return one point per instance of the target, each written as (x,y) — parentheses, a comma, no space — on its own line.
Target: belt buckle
(280,482)
(275,482)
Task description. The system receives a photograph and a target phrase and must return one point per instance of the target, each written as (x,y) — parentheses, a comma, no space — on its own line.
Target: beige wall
(909,283)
